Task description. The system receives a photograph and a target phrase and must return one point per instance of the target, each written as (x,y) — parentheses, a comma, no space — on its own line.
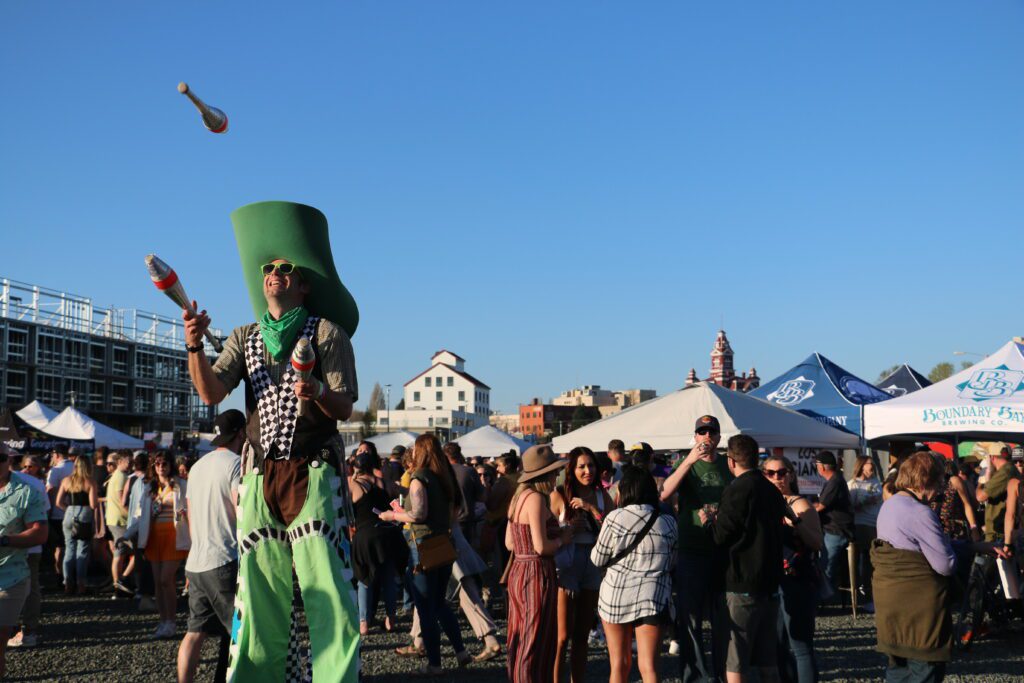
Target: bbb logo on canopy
(792,391)
(985,385)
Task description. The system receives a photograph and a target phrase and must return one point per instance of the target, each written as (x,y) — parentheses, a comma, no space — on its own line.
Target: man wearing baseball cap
(699,479)
(836,512)
(212,564)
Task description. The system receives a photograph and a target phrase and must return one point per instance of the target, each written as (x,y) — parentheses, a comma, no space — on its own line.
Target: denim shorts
(582,574)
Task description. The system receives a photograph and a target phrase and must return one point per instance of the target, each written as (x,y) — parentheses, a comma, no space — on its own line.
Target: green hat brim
(266,231)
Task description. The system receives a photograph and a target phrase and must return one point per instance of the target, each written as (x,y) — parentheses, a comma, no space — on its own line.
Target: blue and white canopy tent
(902,381)
(985,402)
(820,389)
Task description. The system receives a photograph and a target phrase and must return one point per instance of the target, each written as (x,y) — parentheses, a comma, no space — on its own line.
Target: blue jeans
(834,558)
(694,602)
(428,594)
(76,553)
(796,631)
(384,587)
(913,671)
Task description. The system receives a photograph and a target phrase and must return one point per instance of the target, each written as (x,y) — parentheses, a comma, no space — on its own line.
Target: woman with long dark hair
(637,546)
(433,495)
(533,535)
(800,579)
(378,549)
(583,504)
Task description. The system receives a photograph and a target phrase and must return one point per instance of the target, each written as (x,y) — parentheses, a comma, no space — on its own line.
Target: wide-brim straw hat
(539,461)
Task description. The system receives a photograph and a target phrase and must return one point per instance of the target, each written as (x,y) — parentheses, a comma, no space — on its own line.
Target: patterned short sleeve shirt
(335,357)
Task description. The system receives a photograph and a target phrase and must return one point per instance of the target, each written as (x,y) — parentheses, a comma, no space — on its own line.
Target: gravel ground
(93,638)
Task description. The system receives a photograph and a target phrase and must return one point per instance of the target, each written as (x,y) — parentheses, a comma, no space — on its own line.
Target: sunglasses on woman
(283,268)
(776,474)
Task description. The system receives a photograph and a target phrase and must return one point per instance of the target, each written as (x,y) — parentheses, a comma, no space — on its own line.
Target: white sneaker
(673,647)
(22,640)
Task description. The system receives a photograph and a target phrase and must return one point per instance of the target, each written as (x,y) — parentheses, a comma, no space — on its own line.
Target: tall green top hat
(284,230)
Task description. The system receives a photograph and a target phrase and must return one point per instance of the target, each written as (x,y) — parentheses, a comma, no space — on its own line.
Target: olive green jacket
(912,614)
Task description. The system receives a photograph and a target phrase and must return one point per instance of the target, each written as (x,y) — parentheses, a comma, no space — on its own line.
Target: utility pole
(387,393)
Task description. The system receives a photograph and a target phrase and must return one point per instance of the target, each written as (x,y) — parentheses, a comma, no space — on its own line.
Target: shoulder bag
(434,551)
(636,541)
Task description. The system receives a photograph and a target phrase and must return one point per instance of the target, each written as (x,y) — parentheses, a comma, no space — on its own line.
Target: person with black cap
(700,478)
(212,564)
(836,511)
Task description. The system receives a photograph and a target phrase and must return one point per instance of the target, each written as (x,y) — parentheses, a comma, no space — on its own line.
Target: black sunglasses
(704,431)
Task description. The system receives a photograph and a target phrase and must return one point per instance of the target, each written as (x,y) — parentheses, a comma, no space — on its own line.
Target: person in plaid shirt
(637,587)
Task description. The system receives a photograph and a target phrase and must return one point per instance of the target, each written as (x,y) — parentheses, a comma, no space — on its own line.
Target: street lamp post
(387,393)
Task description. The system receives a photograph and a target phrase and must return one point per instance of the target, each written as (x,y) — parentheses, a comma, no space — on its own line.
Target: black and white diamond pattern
(277,404)
(298,666)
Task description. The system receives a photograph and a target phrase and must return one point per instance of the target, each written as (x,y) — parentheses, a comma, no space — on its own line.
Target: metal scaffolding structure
(126,367)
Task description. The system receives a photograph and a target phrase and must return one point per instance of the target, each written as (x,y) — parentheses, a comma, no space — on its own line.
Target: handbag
(81,531)
(434,551)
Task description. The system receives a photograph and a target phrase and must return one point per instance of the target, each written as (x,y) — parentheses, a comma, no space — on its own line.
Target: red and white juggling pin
(166,280)
(303,360)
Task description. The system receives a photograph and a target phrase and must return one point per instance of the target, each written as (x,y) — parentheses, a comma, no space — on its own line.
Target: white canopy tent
(37,414)
(985,402)
(667,422)
(74,424)
(490,442)
(387,441)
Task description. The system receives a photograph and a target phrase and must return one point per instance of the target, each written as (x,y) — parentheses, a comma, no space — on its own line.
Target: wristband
(194,349)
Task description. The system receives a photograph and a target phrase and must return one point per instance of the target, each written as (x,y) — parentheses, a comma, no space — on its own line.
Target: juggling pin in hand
(166,280)
(214,119)
(303,360)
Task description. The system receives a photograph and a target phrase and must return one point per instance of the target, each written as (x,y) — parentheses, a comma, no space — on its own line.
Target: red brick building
(722,372)
(536,418)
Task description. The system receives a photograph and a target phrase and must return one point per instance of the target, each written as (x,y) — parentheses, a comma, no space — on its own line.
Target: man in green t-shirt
(699,480)
(992,492)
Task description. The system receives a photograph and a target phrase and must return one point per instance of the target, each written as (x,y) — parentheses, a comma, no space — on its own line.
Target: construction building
(125,368)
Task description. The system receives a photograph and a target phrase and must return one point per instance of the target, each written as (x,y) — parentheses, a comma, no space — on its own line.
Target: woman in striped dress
(533,536)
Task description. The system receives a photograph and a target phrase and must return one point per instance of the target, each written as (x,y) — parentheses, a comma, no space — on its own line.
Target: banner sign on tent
(808,479)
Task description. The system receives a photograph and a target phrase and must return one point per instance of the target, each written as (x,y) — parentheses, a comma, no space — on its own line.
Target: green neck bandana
(279,335)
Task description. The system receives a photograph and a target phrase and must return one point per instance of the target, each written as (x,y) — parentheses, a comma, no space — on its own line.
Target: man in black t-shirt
(836,513)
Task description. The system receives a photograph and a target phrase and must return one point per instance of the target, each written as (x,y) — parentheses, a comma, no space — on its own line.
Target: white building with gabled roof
(444,398)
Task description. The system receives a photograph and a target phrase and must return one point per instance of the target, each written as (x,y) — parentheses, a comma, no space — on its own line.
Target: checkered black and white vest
(277,405)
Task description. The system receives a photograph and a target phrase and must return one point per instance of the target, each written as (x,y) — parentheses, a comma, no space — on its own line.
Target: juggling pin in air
(166,280)
(214,119)
(303,360)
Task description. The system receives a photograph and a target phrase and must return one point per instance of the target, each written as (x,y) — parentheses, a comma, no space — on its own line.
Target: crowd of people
(625,550)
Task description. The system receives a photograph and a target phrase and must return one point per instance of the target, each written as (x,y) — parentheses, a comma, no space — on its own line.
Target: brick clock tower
(722,371)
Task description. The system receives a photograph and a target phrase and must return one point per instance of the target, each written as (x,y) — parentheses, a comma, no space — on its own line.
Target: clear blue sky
(562,193)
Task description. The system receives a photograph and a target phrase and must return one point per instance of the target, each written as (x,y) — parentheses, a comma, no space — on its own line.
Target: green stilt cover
(285,230)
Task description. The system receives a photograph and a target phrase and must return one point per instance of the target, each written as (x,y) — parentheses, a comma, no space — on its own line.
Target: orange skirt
(160,545)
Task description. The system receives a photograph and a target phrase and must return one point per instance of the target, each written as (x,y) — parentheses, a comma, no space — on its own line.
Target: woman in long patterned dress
(533,536)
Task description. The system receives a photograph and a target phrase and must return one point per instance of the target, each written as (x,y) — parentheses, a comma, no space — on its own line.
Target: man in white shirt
(61,464)
(212,564)
(32,474)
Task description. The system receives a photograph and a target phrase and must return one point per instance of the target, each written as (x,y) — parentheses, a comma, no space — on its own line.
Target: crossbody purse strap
(636,541)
